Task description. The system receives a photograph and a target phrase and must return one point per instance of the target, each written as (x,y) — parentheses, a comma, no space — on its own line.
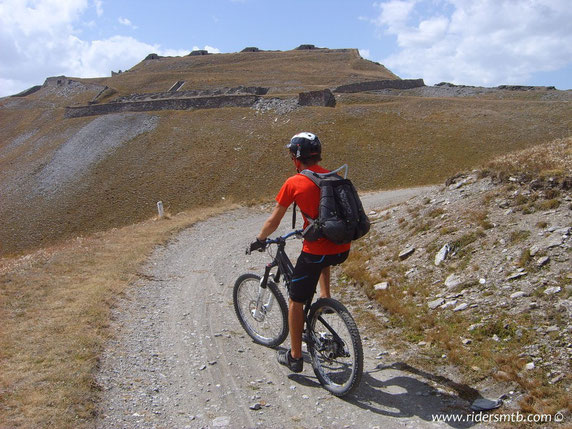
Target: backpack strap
(308,218)
(309,173)
(314,177)
(317,178)
(294,216)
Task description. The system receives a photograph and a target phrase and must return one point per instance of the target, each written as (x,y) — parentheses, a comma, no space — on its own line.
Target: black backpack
(341,217)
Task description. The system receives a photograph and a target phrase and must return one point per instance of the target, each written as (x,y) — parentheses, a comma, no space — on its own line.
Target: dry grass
(497,343)
(196,158)
(55,320)
(284,72)
(410,141)
(553,160)
(443,334)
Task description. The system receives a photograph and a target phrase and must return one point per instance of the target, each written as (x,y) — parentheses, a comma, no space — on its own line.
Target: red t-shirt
(306,194)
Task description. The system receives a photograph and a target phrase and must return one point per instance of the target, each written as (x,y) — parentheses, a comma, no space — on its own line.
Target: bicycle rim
(335,347)
(262,312)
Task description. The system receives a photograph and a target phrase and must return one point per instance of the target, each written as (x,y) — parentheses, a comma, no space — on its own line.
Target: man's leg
(325,282)
(325,274)
(296,324)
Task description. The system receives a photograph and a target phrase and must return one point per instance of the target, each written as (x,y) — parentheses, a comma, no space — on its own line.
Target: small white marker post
(160,209)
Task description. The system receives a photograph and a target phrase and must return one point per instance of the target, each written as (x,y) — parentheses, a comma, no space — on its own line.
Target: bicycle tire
(338,365)
(269,325)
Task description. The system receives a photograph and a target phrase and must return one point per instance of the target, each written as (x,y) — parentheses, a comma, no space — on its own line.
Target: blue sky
(472,42)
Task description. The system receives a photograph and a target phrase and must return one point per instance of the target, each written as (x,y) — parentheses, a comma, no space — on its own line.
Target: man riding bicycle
(318,256)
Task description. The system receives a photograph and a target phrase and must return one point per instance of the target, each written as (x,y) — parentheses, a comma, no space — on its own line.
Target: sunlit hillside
(62,178)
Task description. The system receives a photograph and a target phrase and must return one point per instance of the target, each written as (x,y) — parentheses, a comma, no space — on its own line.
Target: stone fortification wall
(163,104)
(240,90)
(381,84)
(501,87)
(323,98)
(526,88)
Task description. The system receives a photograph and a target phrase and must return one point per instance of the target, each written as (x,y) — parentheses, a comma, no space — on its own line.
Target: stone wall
(381,84)
(305,48)
(239,90)
(526,88)
(323,98)
(57,81)
(164,104)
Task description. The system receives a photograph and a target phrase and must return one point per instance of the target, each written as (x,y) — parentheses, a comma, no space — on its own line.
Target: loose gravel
(179,357)
(89,146)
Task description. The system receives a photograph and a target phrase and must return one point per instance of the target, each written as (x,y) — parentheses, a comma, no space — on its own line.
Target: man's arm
(272,223)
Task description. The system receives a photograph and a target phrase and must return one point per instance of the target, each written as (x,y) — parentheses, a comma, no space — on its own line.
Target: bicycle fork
(264,300)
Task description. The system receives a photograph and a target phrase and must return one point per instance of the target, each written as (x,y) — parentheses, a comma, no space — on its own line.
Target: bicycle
(331,334)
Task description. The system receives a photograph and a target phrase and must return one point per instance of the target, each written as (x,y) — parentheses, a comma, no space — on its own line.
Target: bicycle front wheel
(335,346)
(262,312)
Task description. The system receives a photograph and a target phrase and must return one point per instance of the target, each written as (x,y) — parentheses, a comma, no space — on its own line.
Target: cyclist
(317,257)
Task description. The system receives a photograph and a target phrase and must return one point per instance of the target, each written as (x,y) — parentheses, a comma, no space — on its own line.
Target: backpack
(341,217)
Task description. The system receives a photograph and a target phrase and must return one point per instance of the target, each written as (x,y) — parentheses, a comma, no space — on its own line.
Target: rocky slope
(478,275)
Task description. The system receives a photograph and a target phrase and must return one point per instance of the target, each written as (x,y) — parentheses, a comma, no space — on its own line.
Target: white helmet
(305,145)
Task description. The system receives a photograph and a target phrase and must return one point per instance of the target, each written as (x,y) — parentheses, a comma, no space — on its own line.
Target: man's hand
(259,245)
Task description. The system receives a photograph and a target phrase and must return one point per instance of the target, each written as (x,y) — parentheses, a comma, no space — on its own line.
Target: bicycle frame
(286,269)
(330,333)
(281,260)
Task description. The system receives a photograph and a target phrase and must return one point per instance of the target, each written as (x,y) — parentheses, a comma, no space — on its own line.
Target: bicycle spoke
(337,356)
(261,311)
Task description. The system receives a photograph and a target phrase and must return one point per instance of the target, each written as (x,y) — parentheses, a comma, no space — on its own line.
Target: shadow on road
(390,391)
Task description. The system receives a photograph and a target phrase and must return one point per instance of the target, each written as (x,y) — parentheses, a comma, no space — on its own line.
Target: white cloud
(99,7)
(207,48)
(480,42)
(99,57)
(364,53)
(394,14)
(29,17)
(126,22)
(38,39)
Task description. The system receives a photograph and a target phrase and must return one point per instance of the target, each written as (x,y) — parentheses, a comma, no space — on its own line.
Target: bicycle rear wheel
(335,346)
(262,312)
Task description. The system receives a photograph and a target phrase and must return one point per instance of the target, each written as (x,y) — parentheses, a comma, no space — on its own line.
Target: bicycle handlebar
(277,240)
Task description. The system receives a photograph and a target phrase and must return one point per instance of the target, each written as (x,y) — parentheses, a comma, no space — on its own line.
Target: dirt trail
(181,358)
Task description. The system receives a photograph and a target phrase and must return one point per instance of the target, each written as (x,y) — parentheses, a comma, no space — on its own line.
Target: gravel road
(180,358)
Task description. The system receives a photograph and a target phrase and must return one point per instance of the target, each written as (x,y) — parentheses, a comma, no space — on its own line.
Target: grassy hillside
(282,72)
(61,178)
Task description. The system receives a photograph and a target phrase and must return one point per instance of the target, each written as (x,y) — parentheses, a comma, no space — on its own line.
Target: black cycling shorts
(307,273)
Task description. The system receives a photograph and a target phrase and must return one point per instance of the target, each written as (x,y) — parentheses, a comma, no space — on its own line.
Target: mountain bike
(331,334)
